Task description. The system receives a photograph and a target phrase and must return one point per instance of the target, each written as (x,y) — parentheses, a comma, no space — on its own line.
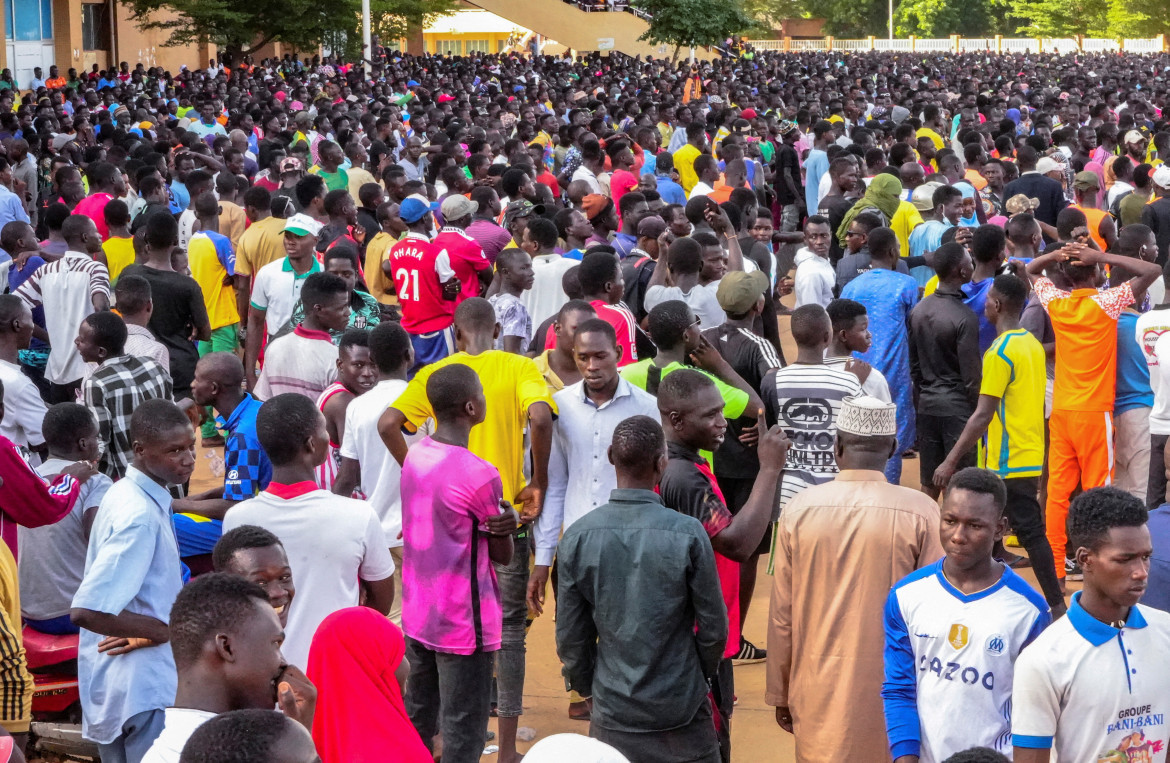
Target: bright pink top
(620,183)
(94,207)
(450,597)
(467,260)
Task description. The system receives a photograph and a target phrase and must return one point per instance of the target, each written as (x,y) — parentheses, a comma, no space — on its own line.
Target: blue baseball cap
(412,83)
(413,209)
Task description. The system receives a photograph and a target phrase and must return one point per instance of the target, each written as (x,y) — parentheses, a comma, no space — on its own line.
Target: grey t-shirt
(52,558)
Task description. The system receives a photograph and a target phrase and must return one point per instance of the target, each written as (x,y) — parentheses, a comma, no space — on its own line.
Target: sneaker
(748,654)
(1072,571)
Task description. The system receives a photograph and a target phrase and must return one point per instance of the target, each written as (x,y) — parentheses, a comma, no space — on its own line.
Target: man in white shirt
(305,361)
(592,165)
(70,289)
(707,170)
(226,639)
(276,287)
(335,545)
(1093,685)
(815,275)
(682,277)
(547,295)
(366,464)
(933,614)
(24,410)
(580,473)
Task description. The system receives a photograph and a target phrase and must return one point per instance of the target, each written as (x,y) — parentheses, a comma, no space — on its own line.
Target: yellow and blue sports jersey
(1014,371)
(196,535)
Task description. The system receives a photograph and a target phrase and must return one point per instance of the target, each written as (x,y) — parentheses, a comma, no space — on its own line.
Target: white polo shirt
(276,289)
(1087,690)
(333,543)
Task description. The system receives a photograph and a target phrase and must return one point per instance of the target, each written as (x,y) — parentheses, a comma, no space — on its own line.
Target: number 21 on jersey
(406,282)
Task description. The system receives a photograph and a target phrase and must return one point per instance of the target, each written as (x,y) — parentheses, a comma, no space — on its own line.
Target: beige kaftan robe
(840,547)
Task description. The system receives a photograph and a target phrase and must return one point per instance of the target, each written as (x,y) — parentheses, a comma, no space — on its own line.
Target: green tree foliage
(853,19)
(941,18)
(1060,18)
(768,14)
(683,23)
(850,19)
(242,27)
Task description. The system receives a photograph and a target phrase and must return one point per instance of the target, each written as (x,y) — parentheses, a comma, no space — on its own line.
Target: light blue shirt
(11,208)
(815,167)
(132,565)
(580,476)
(671,192)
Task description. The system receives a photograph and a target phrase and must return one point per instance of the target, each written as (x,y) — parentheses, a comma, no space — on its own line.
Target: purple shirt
(445,549)
(491,237)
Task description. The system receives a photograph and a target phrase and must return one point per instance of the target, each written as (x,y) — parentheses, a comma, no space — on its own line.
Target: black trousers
(1026,518)
(1156,487)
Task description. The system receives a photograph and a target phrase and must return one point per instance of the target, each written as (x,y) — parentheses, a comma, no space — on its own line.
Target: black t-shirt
(751,356)
(178,309)
(787,163)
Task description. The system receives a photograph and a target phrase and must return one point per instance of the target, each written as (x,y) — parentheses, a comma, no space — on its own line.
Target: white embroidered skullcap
(867,416)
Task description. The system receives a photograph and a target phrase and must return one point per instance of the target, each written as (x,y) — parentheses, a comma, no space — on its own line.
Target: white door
(30,38)
(24,57)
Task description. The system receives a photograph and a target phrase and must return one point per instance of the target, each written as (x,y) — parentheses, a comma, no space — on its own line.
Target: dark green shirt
(641,623)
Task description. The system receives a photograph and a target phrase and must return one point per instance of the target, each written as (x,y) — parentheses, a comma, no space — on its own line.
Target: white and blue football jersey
(949,661)
(1092,692)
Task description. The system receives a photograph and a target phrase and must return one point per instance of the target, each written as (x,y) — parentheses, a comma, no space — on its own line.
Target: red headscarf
(360,715)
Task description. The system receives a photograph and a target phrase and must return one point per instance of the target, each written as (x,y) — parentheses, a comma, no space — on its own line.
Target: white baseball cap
(301,224)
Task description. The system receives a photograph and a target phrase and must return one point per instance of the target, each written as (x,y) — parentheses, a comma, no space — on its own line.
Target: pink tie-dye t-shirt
(447,493)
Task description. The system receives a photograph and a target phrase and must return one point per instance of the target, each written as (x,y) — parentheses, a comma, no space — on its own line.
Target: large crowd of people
(465,326)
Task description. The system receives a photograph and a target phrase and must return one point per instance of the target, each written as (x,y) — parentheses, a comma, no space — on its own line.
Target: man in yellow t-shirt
(261,243)
(212,261)
(379,284)
(1010,419)
(516,396)
(119,247)
(684,158)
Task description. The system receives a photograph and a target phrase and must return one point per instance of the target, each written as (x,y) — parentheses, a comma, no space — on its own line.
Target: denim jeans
(450,693)
(513,580)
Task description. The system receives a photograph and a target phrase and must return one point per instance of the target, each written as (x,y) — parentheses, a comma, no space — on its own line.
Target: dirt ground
(755,735)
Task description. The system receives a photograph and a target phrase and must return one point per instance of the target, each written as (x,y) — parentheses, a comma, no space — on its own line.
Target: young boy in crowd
(355,376)
(456,523)
(132,576)
(515,274)
(967,597)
